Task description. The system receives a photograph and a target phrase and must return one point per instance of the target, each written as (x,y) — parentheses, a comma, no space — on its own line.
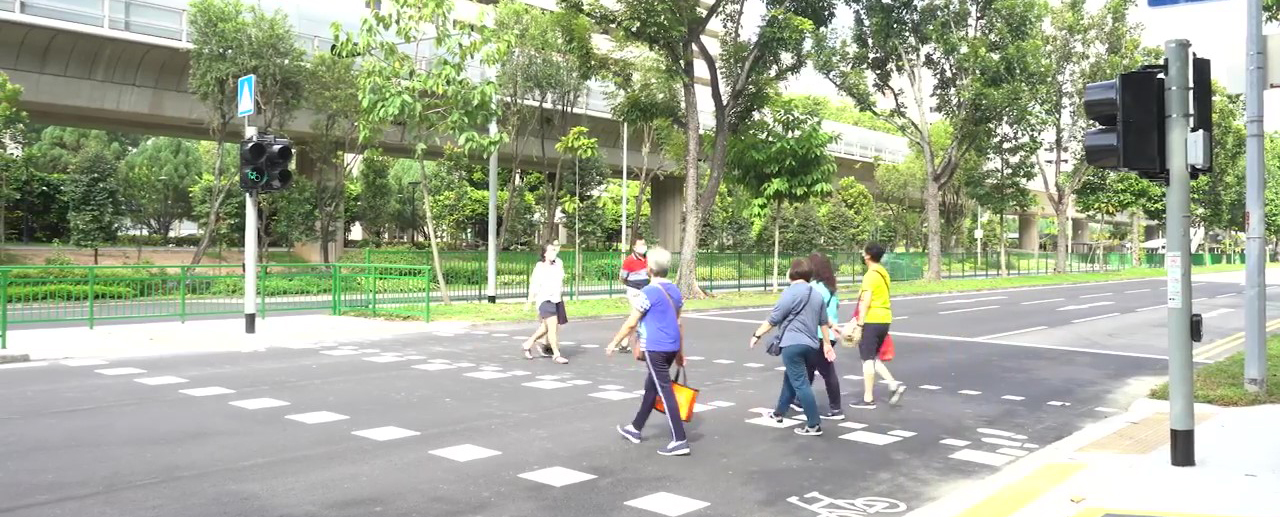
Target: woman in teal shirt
(824,282)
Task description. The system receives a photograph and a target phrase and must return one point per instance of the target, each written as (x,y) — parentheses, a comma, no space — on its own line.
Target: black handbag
(775,345)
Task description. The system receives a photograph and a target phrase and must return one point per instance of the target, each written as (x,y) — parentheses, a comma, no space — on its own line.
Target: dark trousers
(658,384)
(829,377)
(795,384)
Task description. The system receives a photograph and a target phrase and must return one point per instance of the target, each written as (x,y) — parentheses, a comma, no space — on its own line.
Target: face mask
(641,250)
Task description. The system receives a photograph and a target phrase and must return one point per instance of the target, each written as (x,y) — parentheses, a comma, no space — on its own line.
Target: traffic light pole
(1255,250)
(250,250)
(1177,99)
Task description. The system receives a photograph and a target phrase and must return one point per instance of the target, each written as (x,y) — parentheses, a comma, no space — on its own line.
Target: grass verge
(1222,383)
(607,307)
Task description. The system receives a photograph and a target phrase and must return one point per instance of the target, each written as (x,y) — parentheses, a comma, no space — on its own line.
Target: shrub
(66,292)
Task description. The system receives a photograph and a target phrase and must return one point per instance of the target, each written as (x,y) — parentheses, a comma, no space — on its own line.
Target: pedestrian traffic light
(279,155)
(253,172)
(1130,110)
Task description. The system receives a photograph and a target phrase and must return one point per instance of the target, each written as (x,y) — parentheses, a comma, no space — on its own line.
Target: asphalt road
(460,425)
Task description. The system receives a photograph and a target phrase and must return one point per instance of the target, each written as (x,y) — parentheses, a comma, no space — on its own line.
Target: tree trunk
(431,233)
(216,198)
(553,203)
(777,234)
(1004,261)
(639,202)
(95,256)
(508,207)
(1135,239)
(933,219)
(1064,239)
(687,275)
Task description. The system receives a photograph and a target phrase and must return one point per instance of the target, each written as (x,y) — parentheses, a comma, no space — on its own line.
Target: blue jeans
(795,382)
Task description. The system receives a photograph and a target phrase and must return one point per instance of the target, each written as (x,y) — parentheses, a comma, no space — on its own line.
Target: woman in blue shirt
(824,282)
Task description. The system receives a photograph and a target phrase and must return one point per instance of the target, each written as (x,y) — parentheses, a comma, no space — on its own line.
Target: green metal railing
(90,294)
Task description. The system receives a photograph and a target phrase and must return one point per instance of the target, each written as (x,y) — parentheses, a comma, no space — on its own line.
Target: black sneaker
(834,414)
(675,449)
(809,431)
(630,433)
(862,405)
(775,416)
(795,406)
(897,393)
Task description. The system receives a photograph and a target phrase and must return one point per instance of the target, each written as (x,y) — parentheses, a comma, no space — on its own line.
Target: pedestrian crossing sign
(245,95)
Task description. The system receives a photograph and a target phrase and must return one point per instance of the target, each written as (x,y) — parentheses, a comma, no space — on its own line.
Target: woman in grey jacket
(797,313)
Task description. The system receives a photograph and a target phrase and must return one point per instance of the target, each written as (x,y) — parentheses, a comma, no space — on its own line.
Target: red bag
(886,349)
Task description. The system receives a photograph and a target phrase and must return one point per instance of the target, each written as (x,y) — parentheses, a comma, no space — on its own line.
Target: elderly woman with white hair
(661,346)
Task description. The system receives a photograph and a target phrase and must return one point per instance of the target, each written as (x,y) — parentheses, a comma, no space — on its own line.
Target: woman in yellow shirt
(872,328)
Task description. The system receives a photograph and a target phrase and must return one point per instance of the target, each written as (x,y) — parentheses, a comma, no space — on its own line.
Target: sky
(1215,28)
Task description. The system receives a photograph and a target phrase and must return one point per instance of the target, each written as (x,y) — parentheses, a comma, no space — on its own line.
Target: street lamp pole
(413,211)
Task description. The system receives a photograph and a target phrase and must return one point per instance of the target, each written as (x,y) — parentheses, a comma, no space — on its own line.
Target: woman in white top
(545,286)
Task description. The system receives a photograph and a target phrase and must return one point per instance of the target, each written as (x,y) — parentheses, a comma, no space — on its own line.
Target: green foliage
(1217,198)
(94,198)
(290,214)
(782,157)
(158,177)
(331,94)
(12,117)
(228,229)
(375,198)
(845,112)
(64,292)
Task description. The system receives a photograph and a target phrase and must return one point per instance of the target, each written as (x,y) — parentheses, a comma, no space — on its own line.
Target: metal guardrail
(170,22)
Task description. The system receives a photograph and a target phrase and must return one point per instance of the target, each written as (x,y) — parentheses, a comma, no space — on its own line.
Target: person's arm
(785,305)
(535,280)
(623,333)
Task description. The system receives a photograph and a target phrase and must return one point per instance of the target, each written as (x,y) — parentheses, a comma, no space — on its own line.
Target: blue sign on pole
(1175,3)
(245,89)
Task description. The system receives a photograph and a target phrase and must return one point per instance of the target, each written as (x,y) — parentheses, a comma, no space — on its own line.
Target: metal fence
(90,294)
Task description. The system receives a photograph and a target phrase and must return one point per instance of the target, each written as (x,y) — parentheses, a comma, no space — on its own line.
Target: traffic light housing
(265,163)
(1130,110)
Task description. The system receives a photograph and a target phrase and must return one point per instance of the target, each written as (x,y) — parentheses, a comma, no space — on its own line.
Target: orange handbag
(686,397)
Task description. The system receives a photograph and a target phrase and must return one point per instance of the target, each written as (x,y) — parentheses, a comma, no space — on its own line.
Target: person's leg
(646,403)
(832,381)
(537,334)
(804,390)
(788,394)
(553,337)
(659,364)
(868,351)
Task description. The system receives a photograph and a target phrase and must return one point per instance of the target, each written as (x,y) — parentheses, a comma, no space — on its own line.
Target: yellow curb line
(1014,496)
(1227,343)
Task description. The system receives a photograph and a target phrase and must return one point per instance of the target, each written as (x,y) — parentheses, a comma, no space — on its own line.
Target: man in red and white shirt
(635,276)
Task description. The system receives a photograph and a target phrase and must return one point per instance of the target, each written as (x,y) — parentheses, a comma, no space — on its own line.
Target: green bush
(66,292)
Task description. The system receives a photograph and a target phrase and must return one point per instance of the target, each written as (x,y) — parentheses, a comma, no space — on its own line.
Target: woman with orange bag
(870,329)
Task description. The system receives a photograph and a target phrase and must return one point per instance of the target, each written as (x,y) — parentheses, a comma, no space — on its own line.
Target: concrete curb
(7,356)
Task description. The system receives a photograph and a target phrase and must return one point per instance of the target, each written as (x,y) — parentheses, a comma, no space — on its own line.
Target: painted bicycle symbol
(827,507)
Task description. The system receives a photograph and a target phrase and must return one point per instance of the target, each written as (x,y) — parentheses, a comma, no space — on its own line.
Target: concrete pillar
(305,167)
(1028,232)
(666,197)
(1080,230)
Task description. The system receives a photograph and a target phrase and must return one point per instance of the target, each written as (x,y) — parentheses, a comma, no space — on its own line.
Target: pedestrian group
(802,331)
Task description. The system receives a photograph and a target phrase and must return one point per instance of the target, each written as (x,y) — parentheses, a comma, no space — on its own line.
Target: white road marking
(930,387)
(1003,334)
(439,361)
(1161,306)
(1058,403)
(723,361)
(348,347)
(769,422)
(974,300)
(28,364)
(547,385)
(902,434)
(121,371)
(488,375)
(955,442)
(160,381)
(590,346)
(1197,284)
(896,318)
(1013,397)
(720,403)
(317,417)
(83,362)
(431,367)
(557,476)
(490,368)
(853,377)
(517,373)
(206,392)
(465,452)
(752,365)
(1217,312)
(870,437)
(579,382)
(1137,291)
(699,407)
(463,365)
(548,377)
(610,387)
(969,392)
(384,359)
(1082,320)
(695,358)
(383,434)
(1106,410)
(852,425)
(501,335)
(1002,441)
(664,503)
(971,309)
(996,432)
(1085,306)
(1097,295)
(983,457)
(1012,452)
(1043,301)
(339,352)
(259,403)
(1225,295)
(614,395)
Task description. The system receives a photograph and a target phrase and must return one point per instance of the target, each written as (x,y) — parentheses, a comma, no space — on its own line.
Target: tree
(783,158)
(581,147)
(95,200)
(375,209)
(331,94)
(742,79)
(899,185)
(226,227)
(849,221)
(158,177)
(646,95)
(1110,192)
(12,136)
(845,112)
(1217,198)
(426,102)
(973,53)
(230,39)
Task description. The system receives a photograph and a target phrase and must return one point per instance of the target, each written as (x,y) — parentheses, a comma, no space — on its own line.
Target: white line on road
(1097,295)
(1044,301)
(974,300)
(1225,295)
(1137,291)
(1197,284)
(1003,334)
(1200,299)
(1217,312)
(1085,306)
(1161,306)
(1081,320)
(971,309)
